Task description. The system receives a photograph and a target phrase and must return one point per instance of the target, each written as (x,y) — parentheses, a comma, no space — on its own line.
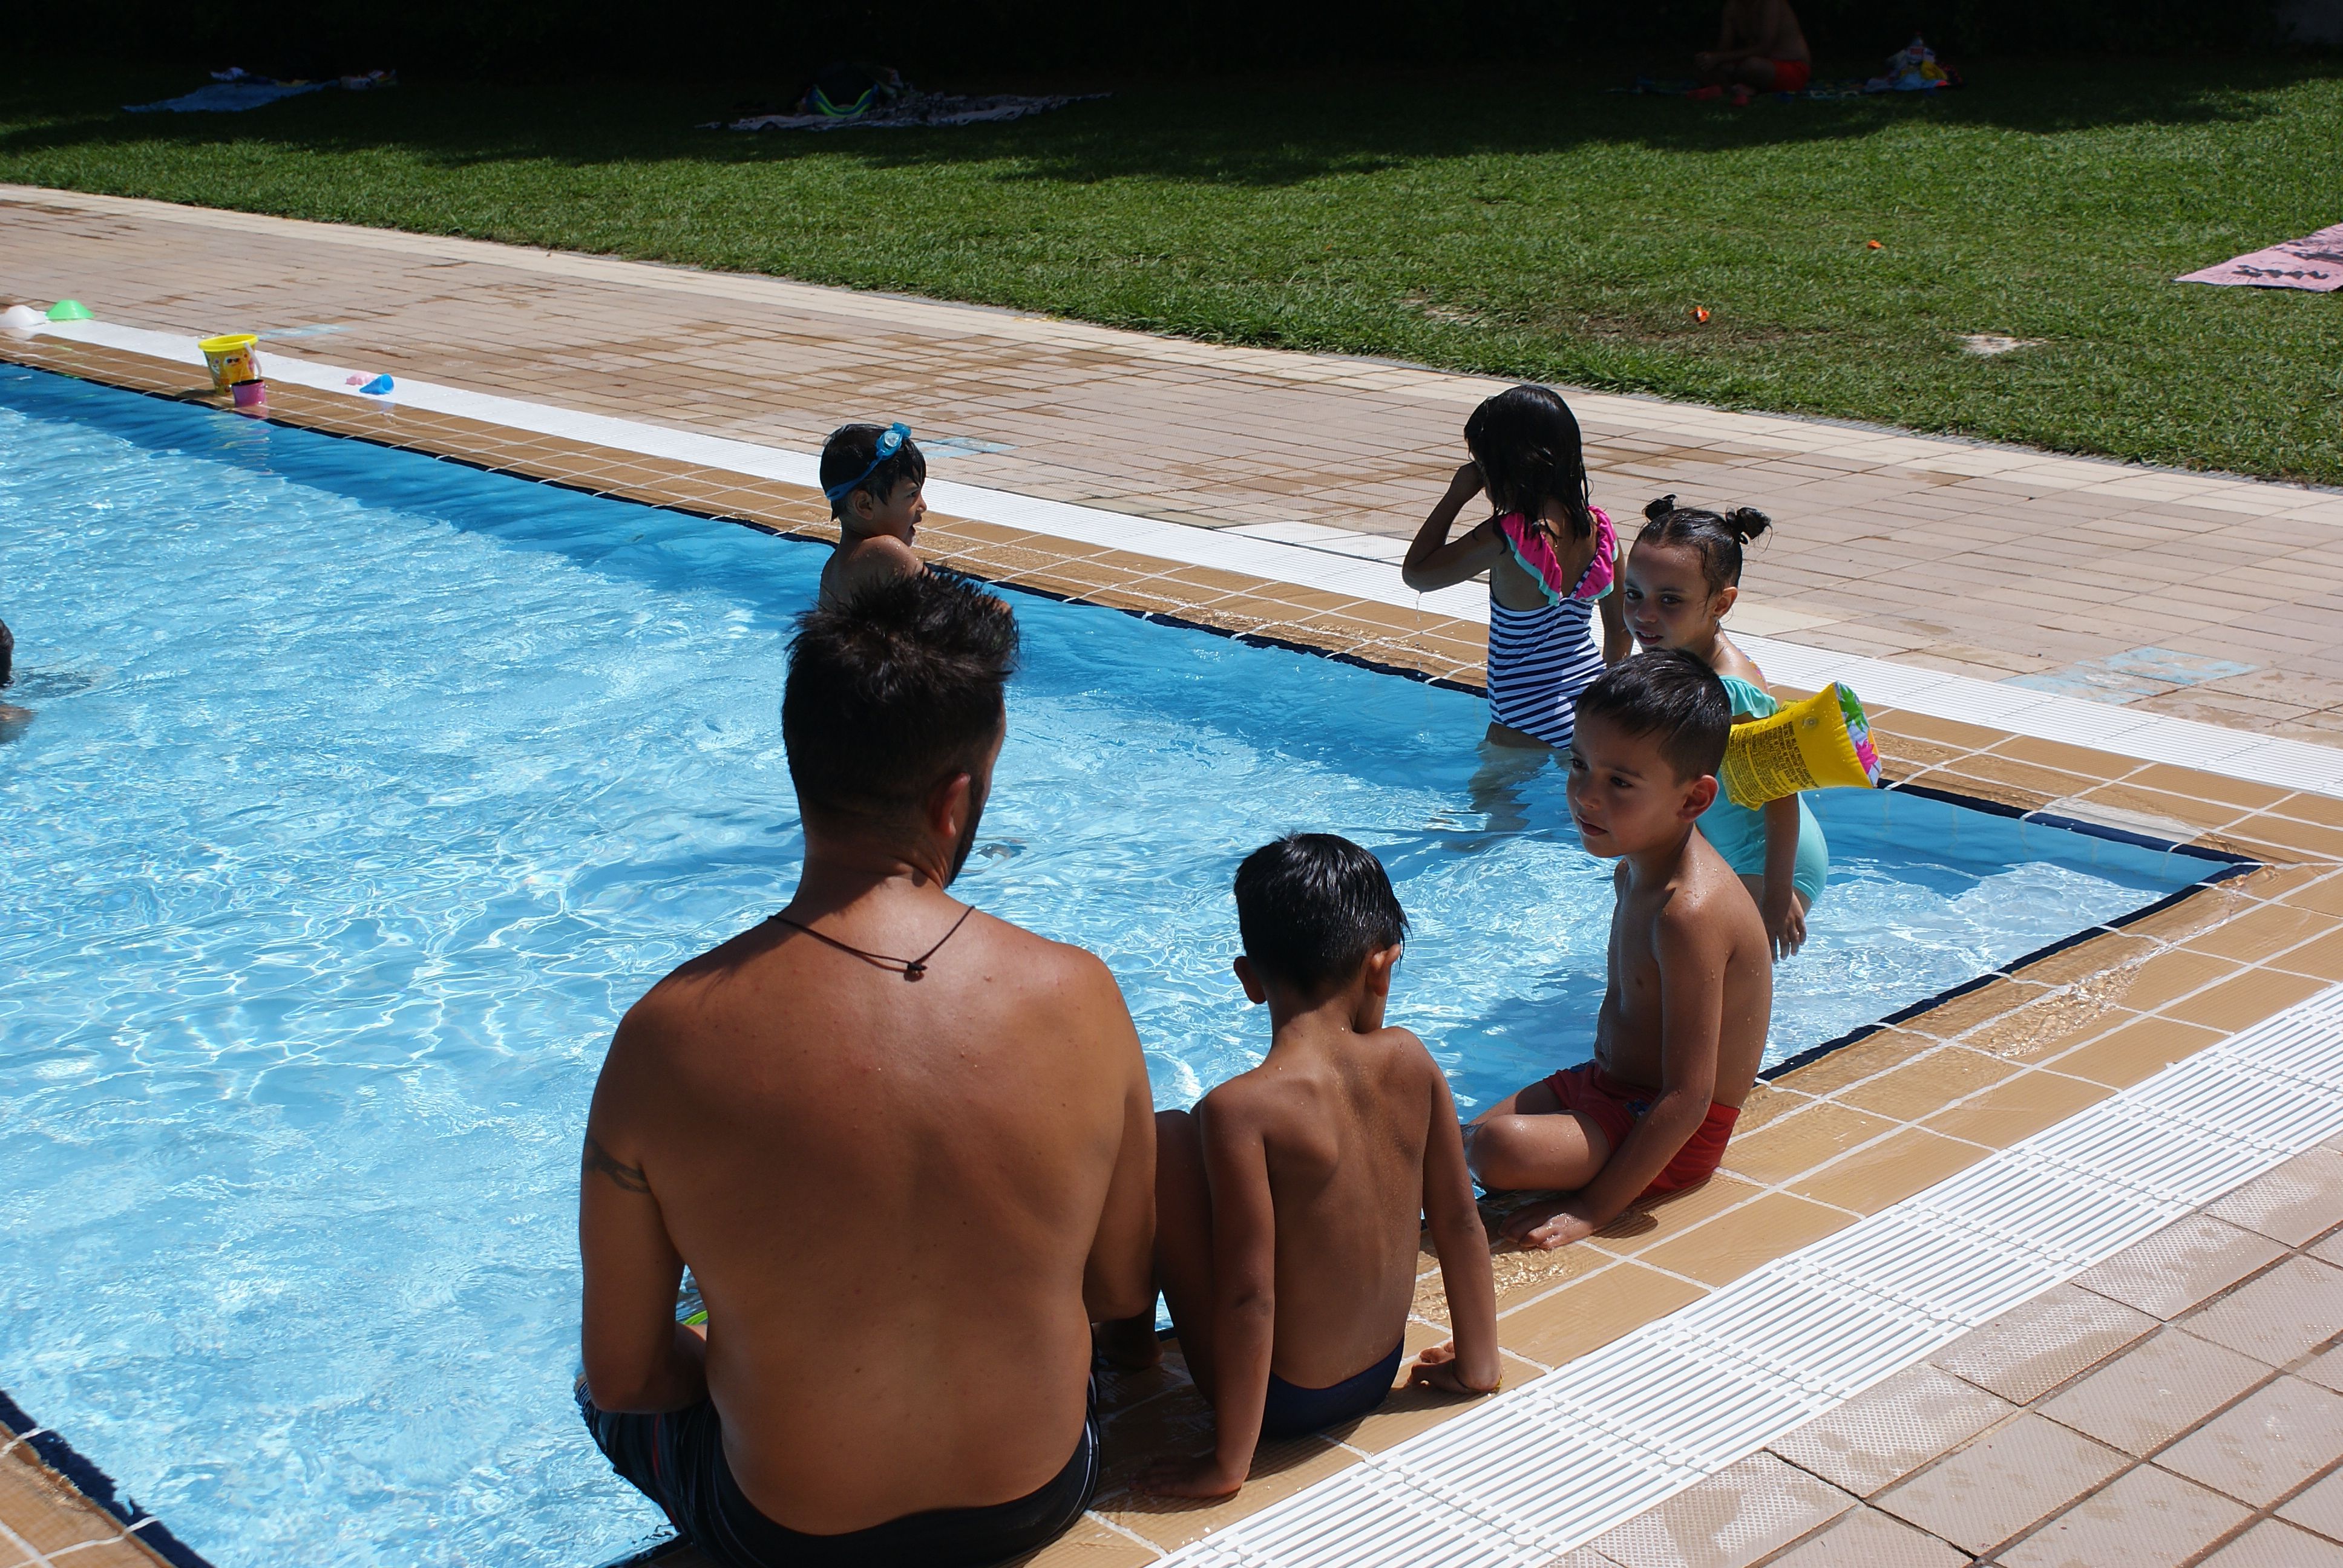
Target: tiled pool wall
(1829,1139)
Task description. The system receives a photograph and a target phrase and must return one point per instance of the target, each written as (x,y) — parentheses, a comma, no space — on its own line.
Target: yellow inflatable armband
(1823,742)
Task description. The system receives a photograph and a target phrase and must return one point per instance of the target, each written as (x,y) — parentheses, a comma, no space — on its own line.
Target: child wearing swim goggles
(875,482)
(1682,578)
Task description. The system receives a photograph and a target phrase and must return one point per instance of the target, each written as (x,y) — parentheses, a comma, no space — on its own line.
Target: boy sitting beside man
(1288,1202)
(1681,1029)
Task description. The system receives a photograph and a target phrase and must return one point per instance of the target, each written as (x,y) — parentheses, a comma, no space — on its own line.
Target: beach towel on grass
(228,97)
(2314,262)
(914,109)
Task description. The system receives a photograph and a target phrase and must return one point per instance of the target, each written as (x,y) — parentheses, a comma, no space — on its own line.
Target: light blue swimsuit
(1739,833)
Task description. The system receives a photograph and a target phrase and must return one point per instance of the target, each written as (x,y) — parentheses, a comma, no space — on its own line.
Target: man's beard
(968,835)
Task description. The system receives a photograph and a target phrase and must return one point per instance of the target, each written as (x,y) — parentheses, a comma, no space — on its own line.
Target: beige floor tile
(1972,1009)
(2262,932)
(1521,1276)
(2050,1028)
(2293,1204)
(1867,1538)
(1889,1171)
(2003,1484)
(123,1551)
(2326,896)
(2168,976)
(2083,961)
(1767,1103)
(2154,1392)
(48,1514)
(1729,1520)
(1650,1221)
(1088,1544)
(1892,1429)
(2264,1446)
(2034,1347)
(1792,1145)
(2188,1262)
(2245,1001)
(2018,1108)
(2135,1051)
(1746,1238)
(2277,1316)
(1558,1328)
(1865,1058)
(1279,1471)
(2321,957)
(2146,1519)
(1924,1086)
(2318,1507)
(2273,1544)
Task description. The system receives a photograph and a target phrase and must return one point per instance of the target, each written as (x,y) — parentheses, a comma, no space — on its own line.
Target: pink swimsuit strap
(1533,547)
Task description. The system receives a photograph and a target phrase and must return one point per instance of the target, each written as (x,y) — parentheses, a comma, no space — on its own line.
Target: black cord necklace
(909,968)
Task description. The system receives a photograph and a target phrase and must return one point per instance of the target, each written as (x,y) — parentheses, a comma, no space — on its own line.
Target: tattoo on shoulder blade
(629,1178)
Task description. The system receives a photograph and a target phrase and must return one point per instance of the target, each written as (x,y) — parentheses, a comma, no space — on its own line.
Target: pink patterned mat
(2314,262)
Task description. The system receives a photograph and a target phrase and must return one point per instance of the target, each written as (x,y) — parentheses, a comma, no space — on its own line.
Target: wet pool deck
(1983,561)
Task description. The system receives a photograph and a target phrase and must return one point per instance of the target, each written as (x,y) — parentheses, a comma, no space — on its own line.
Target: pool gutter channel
(1251,1540)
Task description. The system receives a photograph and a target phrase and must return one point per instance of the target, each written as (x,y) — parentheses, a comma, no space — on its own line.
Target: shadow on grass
(1260,134)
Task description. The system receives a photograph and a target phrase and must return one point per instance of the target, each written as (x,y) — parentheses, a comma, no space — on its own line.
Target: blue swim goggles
(891,441)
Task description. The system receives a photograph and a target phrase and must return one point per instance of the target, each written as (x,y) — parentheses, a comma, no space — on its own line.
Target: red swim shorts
(1791,75)
(1615,1107)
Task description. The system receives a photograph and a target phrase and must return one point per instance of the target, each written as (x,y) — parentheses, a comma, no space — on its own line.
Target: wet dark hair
(8,654)
(1526,441)
(1716,536)
(849,451)
(893,690)
(1312,907)
(1671,694)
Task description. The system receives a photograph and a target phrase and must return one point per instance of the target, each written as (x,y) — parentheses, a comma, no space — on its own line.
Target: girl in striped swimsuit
(1551,555)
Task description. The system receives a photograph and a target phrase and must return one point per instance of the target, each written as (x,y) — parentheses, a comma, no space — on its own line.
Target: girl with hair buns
(1682,578)
(1552,559)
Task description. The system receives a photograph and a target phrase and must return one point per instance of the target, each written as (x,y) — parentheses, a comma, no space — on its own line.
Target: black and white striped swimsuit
(1539,661)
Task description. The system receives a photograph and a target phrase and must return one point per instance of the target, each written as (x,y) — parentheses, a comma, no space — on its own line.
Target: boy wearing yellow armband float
(1683,576)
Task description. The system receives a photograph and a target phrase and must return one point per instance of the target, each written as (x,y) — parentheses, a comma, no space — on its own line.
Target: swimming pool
(365,791)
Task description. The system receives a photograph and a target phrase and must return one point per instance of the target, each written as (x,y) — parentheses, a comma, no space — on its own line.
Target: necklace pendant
(914,969)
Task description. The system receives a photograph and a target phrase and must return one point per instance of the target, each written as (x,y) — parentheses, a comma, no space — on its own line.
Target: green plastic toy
(70,310)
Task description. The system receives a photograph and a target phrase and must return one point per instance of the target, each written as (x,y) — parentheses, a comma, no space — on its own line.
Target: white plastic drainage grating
(1519,1480)
(1342,562)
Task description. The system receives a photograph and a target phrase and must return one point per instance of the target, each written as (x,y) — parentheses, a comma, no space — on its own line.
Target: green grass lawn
(1529,226)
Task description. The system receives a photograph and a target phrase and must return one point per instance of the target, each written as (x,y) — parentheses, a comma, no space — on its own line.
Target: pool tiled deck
(2181,1403)
(1819,1149)
(45,1519)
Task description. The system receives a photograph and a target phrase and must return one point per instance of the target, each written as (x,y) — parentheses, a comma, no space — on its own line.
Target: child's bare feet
(1547,1225)
(1127,1343)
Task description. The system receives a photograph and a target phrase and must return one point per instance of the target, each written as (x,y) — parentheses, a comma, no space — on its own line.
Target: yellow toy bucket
(231,359)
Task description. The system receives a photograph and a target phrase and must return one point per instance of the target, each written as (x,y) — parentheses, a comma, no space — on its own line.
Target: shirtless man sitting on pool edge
(907,1150)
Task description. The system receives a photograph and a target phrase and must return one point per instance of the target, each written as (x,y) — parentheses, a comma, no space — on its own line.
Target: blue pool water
(365,792)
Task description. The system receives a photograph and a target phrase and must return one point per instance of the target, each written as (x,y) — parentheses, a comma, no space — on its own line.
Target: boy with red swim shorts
(1759,47)
(1681,1029)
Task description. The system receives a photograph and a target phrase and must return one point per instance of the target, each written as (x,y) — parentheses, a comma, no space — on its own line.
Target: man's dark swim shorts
(677,1460)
